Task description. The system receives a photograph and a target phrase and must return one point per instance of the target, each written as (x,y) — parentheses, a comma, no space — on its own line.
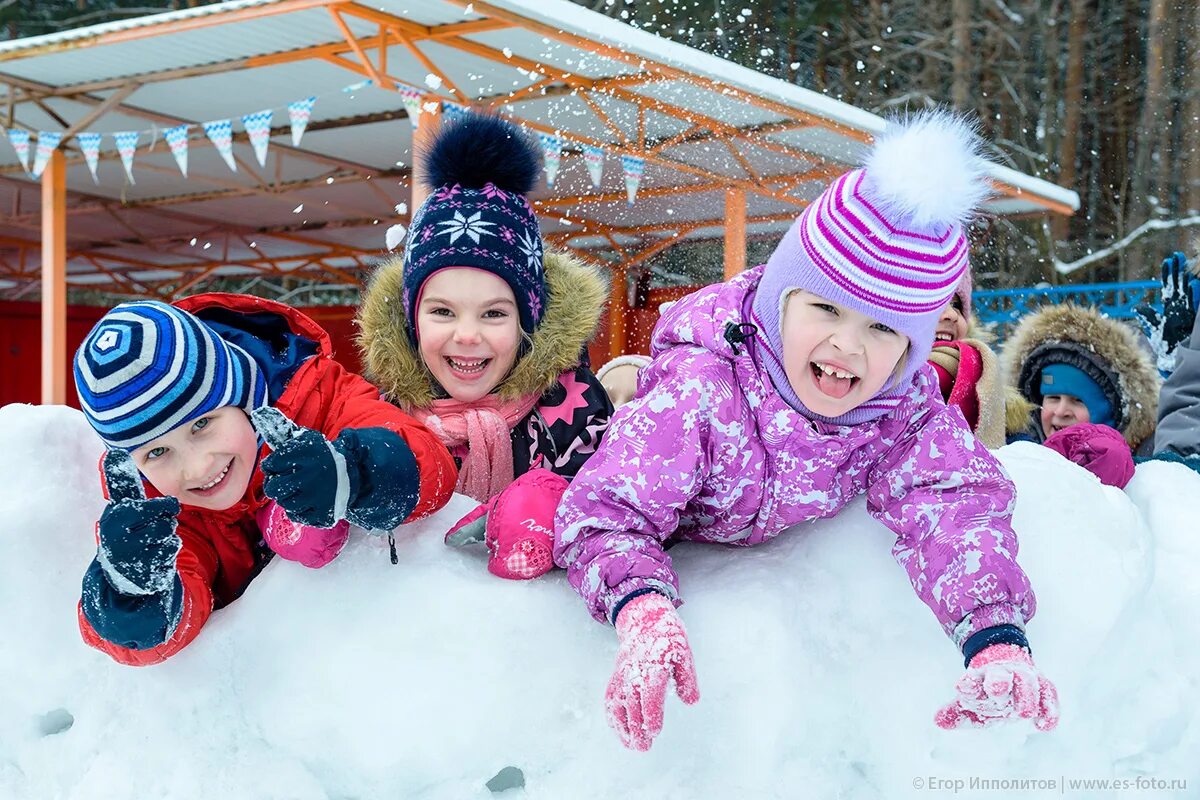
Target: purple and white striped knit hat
(886,240)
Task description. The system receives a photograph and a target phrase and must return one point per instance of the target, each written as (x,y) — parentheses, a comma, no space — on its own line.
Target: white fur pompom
(928,169)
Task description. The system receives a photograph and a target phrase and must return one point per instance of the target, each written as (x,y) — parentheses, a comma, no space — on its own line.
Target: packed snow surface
(819,670)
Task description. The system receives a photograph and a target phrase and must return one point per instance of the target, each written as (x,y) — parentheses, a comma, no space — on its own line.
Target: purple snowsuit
(708,451)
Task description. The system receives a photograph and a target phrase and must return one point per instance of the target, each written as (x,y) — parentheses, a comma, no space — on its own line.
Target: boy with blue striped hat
(184,397)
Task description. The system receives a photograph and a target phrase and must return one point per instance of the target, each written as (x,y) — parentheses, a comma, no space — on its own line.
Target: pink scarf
(483,426)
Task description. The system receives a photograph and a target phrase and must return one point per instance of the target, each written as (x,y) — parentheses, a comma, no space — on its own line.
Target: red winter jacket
(223,550)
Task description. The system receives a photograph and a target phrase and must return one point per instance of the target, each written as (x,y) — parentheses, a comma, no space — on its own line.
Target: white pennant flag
(299,113)
(47,142)
(20,141)
(552,154)
(258,125)
(594,158)
(89,143)
(220,133)
(177,140)
(412,104)
(126,145)
(633,167)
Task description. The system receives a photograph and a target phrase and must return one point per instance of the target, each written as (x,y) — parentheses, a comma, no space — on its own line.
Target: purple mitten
(1099,449)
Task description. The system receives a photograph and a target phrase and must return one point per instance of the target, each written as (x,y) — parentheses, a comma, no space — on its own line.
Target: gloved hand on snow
(517,525)
(367,475)
(138,542)
(1099,449)
(653,651)
(1001,683)
(1181,295)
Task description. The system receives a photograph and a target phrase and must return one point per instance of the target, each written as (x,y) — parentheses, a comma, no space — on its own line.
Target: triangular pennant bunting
(633,167)
(89,143)
(412,104)
(20,142)
(47,141)
(594,158)
(126,145)
(177,140)
(258,125)
(551,154)
(220,133)
(299,113)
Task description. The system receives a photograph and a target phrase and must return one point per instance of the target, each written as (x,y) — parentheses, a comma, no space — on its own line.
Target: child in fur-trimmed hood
(479,333)
(1074,367)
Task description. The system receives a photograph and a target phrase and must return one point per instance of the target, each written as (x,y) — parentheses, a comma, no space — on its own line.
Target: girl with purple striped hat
(781,395)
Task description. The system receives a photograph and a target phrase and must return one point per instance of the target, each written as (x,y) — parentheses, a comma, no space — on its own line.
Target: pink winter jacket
(709,451)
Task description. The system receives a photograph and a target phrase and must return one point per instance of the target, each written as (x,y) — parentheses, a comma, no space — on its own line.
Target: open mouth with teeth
(215,484)
(944,337)
(833,381)
(467,367)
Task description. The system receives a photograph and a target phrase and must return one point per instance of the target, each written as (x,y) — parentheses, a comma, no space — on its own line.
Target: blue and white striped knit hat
(148,367)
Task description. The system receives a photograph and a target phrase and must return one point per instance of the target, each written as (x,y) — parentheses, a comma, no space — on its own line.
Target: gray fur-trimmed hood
(577,294)
(1101,346)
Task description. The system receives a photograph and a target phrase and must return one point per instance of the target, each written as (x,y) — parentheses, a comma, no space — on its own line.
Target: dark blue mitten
(367,475)
(138,541)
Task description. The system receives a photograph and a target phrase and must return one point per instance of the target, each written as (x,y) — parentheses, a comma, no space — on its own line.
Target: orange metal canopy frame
(729,152)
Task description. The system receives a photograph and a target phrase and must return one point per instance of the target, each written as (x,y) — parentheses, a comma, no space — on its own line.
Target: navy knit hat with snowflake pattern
(148,367)
(479,168)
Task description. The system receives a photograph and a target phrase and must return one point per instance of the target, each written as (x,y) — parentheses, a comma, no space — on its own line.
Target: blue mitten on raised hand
(138,541)
(366,475)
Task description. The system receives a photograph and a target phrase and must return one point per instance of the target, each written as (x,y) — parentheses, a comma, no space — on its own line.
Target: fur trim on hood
(577,294)
(1097,342)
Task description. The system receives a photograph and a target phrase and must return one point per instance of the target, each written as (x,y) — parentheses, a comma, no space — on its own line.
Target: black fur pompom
(478,149)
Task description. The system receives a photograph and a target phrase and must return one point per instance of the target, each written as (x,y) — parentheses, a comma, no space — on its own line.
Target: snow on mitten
(653,651)
(138,541)
(1099,449)
(1001,683)
(366,475)
(517,525)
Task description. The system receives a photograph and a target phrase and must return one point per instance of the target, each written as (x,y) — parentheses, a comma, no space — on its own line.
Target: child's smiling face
(468,329)
(836,358)
(952,325)
(1061,411)
(205,462)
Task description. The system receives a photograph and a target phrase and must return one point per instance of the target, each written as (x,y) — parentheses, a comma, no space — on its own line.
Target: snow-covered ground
(819,669)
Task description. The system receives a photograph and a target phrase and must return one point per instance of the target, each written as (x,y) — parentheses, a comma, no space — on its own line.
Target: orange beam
(381,80)
(54,280)
(521,94)
(1045,202)
(617,310)
(735,232)
(599,112)
(741,159)
(662,70)
(412,47)
(208,20)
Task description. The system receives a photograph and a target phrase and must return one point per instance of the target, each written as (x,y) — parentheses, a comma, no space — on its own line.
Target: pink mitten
(654,649)
(313,547)
(517,526)
(1001,683)
(1099,449)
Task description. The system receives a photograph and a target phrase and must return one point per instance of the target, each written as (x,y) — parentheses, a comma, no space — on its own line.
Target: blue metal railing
(1005,307)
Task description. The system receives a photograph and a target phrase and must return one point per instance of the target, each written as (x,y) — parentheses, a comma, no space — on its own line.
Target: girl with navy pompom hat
(480,333)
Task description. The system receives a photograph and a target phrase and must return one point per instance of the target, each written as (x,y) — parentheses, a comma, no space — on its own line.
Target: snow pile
(819,669)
